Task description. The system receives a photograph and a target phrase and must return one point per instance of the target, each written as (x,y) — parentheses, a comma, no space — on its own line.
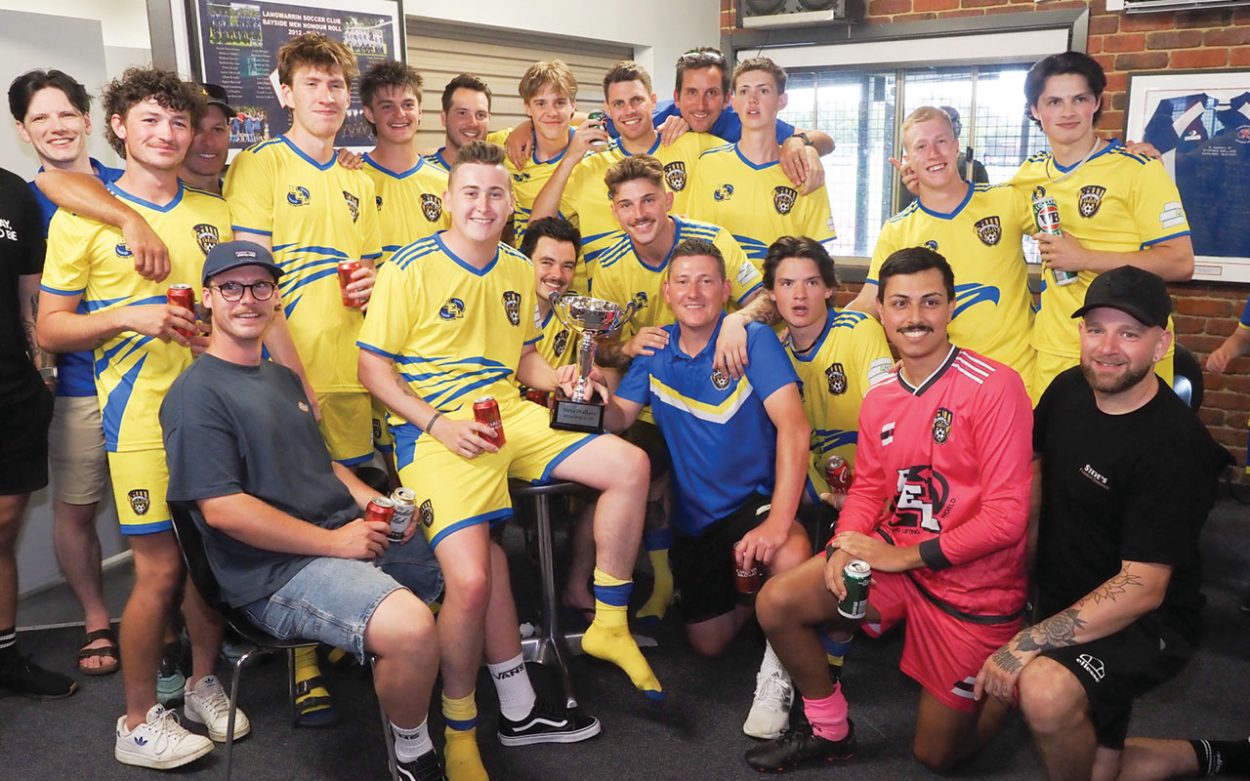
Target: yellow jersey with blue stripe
(757,203)
(527,183)
(438,160)
(1116,202)
(835,374)
(982,240)
(410,203)
(623,276)
(315,215)
(132,371)
(556,343)
(455,332)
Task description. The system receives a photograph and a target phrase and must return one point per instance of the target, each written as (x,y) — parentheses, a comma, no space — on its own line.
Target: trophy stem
(585,363)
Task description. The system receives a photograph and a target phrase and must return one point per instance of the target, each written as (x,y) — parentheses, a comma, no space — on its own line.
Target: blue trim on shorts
(354,460)
(492,517)
(140,529)
(563,454)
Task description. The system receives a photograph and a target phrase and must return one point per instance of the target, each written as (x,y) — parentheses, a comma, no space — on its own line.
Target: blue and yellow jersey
(757,203)
(527,183)
(91,259)
(835,373)
(315,215)
(981,239)
(454,332)
(410,203)
(557,344)
(623,276)
(438,161)
(1116,202)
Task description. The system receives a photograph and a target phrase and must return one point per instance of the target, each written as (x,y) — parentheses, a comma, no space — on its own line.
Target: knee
(633,468)
(466,590)
(936,758)
(404,628)
(1050,697)
(707,647)
(160,574)
(771,606)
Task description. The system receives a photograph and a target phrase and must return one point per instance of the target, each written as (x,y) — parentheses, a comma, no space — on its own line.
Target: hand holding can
(347,268)
(183,296)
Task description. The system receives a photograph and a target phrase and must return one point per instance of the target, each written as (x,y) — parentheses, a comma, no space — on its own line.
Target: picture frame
(1200,121)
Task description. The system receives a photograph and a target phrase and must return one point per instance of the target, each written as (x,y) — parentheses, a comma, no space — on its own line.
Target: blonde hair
(925,114)
(540,74)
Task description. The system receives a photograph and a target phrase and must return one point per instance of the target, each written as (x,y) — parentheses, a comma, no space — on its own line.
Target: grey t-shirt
(233,429)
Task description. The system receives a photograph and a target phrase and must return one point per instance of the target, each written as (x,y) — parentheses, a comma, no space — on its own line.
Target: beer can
(346,269)
(601,119)
(541,398)
(856,575)
(183,296)
(405,501)
(748,580)
(486,411)
(380,509)
(838,474)
(1046,216)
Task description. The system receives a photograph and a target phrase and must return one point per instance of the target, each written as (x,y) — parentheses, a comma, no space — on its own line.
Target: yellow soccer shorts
(383,440)
(140,483)
(346,426)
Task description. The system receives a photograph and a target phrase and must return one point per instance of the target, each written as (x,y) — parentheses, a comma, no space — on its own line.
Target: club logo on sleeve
(784,198)
(942,425)
(720,380)
(835,375)
(1173,214)
(431,207)
(989,230)
(723,193)
(206,236)
(675,175)
(353,205)
(451,310)
(887,433)
(426,513)
(1090,199)
(298,196)
(139,501)
(123,250)
(560,342)
(512,306)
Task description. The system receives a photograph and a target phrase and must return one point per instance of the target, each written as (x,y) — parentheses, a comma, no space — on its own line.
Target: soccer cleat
(160,742)
(170,681)
(547,723)
(208,704)
(18,674)
(770,711)
(424,768)
(798,747)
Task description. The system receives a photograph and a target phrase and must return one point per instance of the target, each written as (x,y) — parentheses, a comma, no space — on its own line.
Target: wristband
(48,373)
(829,551)
(803,137)
(429,427)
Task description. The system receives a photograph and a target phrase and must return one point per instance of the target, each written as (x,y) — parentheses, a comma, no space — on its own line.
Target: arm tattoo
(610,354)
(402,383)
(760,310)
(41,358)
(1115,587)
(1007,661)
(1058,631)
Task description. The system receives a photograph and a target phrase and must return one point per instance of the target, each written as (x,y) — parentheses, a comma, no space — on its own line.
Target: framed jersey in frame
(1200,122)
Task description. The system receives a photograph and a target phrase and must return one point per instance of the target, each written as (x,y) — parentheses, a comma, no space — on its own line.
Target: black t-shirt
(21,254)
(1132,487)
(233,429)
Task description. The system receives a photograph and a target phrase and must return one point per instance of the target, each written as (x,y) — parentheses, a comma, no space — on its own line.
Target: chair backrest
(1187,377)
(191,541)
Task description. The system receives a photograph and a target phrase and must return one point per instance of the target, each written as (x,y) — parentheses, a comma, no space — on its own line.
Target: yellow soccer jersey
(1116,202)
(527,183)
(757,203)
(834,375)
(623,276)
(981,239)
(315,215)
(133,372)
(557,343)
(410,204)
(455,333)
(439,162)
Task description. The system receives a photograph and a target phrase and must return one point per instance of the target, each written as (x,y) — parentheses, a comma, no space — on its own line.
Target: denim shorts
(331,600)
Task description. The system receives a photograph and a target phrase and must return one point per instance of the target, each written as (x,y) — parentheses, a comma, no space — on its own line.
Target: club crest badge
(835,375)
(561,341)
(453,309)
(377,200)
(942,425)
(723,193)
(675,175)
(206,236)
(431,207)
(353,205)
(989,230)
(139,501)
(784,198)
(640,300)
(720,380)
(298,196)
(123,250)
(512,306)
(426,513)
(1090,199)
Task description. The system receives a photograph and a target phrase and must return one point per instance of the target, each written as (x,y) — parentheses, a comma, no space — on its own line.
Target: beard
(1129,379)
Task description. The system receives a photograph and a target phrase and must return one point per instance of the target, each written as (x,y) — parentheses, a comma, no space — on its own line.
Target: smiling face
(468,119)
(932,152)
(1117,351)
(555,262)
(207,155)
(757,99)
(915,311)
(701,97)
(1066,110)
(801,295)
(246,319)
(55,128)
(396,113)
(697,290)
(479,197)
(551,111)
(630,105)
(642,209)
(156,138)
(318,98)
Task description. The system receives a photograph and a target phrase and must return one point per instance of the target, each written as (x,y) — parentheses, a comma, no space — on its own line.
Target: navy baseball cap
(1131,290)
(233,254)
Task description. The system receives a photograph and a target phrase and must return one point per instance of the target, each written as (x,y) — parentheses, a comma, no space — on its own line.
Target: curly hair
(139,84)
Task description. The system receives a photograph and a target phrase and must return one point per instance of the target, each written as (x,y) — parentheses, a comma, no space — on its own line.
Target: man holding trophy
(451,323)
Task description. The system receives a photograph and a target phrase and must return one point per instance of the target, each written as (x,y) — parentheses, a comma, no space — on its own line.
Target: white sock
(770,661)
(412,743)
(512,684)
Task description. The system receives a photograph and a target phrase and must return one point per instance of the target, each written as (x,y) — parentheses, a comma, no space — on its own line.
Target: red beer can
(183,296)
(838,475)
(346,269)
(748,580)
(380,509)
(541,398)
(486,411)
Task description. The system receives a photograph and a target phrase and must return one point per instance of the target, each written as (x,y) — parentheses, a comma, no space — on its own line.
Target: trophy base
(583,416)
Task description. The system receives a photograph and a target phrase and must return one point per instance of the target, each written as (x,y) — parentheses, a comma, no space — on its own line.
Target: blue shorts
(332,600)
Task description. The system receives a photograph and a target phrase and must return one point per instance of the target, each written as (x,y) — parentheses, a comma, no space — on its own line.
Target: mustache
(915,327)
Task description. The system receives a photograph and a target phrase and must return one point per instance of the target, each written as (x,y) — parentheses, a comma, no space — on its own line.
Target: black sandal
(109,651)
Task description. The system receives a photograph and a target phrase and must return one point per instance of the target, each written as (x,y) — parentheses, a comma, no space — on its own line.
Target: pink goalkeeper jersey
(952,457)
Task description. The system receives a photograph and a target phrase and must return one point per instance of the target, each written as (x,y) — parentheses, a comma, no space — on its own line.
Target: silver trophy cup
(593,318)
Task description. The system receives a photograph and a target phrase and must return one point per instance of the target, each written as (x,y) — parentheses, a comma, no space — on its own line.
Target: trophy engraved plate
(593,318)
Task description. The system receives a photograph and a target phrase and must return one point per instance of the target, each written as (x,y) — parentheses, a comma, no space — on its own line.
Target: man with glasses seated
(282,521)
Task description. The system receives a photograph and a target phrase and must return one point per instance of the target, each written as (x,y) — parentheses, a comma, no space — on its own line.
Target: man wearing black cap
(281,520)
(1127,476)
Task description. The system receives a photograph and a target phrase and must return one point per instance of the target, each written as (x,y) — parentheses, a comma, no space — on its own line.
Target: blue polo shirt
(74,370)
(722,442)
(727,126)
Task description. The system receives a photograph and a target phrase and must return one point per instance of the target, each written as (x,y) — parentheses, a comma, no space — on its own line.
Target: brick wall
(1214,38)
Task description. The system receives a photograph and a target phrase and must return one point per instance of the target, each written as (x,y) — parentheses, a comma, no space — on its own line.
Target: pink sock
(828,715)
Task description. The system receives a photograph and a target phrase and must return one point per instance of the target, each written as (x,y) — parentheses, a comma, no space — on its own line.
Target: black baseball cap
(1132,290)
(234,254)
(215,95)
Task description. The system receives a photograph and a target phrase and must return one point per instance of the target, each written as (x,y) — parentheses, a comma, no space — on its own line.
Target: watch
(48,373)
(803,137)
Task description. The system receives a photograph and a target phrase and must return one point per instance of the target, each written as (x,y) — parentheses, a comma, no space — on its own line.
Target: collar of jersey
(674,343)
(620,143)
(306,158)
(98,169)
(820,340)
(125,196)
(748,163)
(394,174)
(952,214)
(931,380)
(534,155)
(677,226)
(1111,146)
(474,270)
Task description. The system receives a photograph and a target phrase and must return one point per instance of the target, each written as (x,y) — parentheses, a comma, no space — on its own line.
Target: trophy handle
(554,298)
(627,314)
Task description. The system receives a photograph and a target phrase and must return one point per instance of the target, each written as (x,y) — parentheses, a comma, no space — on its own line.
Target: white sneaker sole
(760,732)
(574,736)
(139,759)
(241,726)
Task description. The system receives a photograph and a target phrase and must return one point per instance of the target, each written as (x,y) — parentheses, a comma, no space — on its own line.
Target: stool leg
(551,621)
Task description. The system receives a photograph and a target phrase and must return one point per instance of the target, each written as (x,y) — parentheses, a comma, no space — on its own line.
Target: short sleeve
(393,308)
(1157,207)
(817,220)
(250,188)
(769,367)
(636,385)
(784,131)
(744,277)
(69,252)
(201,449)
(370,226)
(887,244)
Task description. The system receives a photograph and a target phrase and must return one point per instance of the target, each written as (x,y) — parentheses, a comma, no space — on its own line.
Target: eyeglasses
(233,291)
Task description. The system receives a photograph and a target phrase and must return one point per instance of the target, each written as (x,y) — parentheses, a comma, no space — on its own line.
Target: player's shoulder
(880,386)
(510,254)
(852,320)
(421,249)
(194,196)
(1117,151)
(699,229)
(719,151)
(269,148)
(907,212)
(621,248)
(986,373)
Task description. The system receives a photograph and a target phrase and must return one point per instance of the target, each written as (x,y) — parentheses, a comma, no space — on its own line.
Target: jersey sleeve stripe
(1153,242)
(58,292)
(246,229)
(376,350)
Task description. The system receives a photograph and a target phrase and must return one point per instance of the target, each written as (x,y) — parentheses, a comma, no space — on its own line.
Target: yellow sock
(662,592)
(608,637)
(317,698)
(336,655)
(461,759)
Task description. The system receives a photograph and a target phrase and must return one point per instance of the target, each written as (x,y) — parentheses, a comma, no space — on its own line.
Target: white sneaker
(770,712)
(160,742)
(208,704)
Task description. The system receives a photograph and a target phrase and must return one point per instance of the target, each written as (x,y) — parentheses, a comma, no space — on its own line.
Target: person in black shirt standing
(25,413)
(1127,477)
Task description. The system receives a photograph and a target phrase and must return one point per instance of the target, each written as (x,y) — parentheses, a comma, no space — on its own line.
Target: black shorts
(647,437)
(1119,668)
(703,566)
(24,443)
